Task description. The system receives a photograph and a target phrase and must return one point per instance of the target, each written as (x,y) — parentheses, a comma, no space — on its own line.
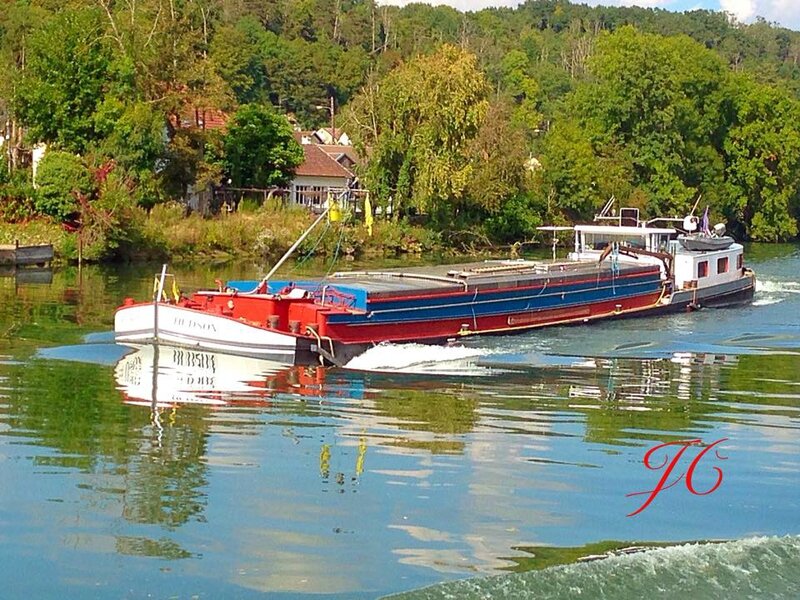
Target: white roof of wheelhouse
(622,230)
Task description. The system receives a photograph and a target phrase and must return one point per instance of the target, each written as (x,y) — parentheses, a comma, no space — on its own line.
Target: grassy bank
(167,232)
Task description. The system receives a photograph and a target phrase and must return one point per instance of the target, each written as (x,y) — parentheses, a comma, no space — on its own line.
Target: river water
(505,468)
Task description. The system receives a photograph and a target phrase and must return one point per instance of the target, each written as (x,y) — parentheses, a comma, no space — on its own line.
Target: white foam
(751,568)
(777,287)
(420,358)
(767,301)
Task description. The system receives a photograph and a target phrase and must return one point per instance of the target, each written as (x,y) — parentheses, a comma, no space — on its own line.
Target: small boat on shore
(37,255)
(621,269)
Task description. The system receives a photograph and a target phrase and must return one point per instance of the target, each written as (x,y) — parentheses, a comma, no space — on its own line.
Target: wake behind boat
(618,269)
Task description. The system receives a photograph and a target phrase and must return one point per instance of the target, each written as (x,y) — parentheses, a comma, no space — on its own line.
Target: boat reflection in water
(162,376)
(637,381)
(515,425)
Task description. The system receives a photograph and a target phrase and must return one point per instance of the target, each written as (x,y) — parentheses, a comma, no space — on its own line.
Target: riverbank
(265,233)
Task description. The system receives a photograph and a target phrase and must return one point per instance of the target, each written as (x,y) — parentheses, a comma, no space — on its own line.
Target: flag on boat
(704,224)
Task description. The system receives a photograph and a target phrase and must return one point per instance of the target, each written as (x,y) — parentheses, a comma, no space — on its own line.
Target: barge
(621,269)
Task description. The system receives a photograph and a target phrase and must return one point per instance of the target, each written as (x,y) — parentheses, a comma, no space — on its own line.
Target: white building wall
(323,184)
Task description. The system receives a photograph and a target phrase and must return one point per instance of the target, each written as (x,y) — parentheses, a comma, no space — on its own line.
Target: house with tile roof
(197,117)
(319,174)
(327,168)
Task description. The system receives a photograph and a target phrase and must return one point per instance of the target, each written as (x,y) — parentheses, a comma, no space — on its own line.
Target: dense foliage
(259,132)
(62,179)
(418,123)
(491,122)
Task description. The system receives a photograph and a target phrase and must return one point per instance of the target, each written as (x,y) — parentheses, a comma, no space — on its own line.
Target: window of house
(310,195)
(722,265)
(702,269)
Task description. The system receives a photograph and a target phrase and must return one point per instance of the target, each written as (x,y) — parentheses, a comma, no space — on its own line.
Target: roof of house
(201,118)
(318,163)
(212,118)
(337,152)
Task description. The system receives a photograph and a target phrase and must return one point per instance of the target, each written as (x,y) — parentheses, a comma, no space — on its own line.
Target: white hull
(196,329)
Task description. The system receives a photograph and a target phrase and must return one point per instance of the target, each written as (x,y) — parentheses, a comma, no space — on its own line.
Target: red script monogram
(662,483)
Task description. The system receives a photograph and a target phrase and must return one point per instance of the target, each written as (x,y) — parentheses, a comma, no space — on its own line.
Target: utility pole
(333,119)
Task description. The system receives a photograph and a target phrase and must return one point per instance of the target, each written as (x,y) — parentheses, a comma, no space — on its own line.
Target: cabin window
(739,261)
(702,269)
(722,265)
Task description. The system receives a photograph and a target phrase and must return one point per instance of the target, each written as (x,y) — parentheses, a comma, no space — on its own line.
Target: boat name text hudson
(192,324)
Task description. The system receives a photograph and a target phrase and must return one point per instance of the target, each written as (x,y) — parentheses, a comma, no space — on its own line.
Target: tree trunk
(337,16)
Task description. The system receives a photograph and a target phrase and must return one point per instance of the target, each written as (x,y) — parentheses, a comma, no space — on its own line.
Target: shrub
(517,220)
(16,197)
(60,178)
(107,221)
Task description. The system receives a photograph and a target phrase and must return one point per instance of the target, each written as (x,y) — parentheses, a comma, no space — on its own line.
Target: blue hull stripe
(360,299)
(510,293)
(470,306)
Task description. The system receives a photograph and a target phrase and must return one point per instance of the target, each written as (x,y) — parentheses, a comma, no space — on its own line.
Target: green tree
(260,149)
(61,178)
(133,134)
(164,50)
(422,28)
(239,53)
(663,101)
(416,127)
(517,219)
(578,176)
(523,88)
(498,155)
(67,70)
(762,153)
(183,161)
